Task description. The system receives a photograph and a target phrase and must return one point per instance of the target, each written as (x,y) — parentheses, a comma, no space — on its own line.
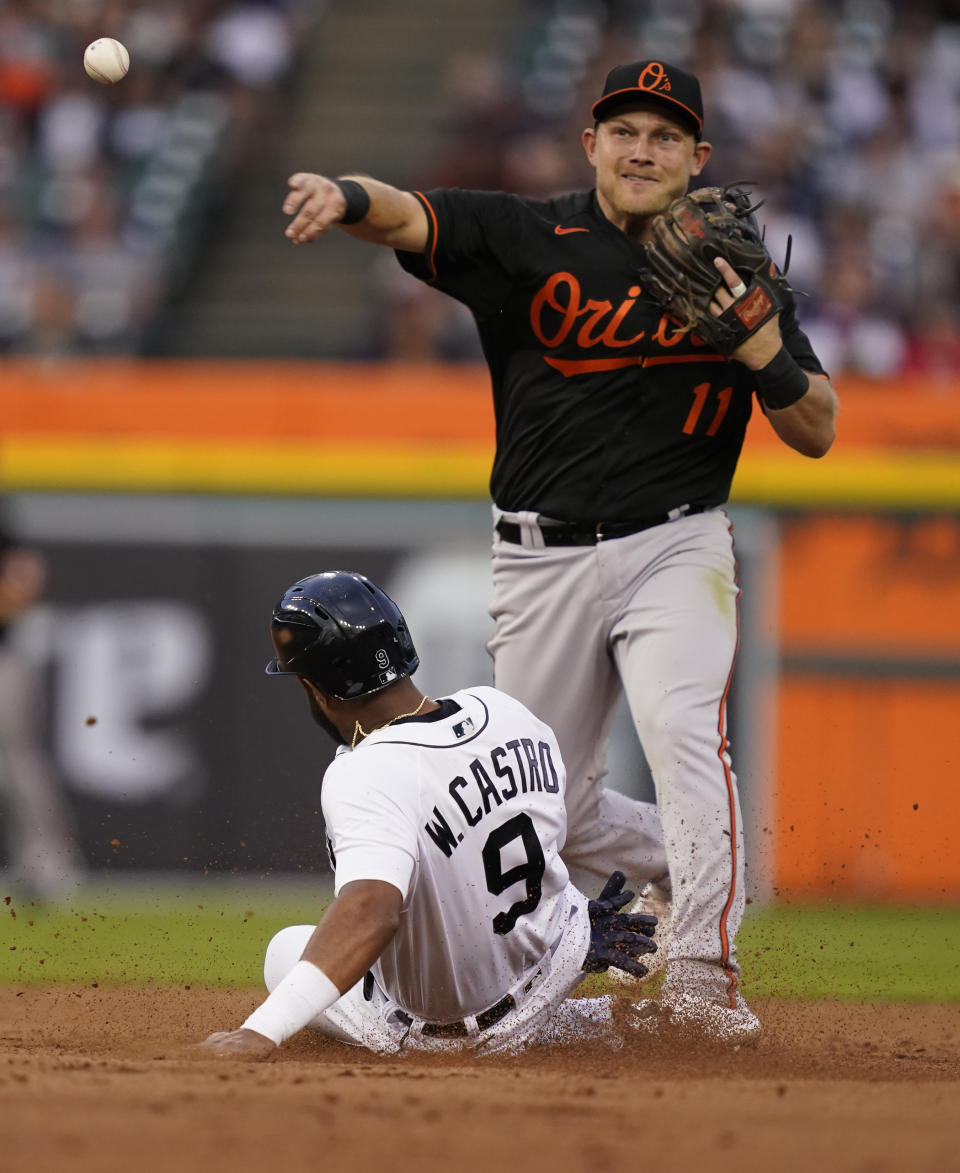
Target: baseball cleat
(690,1018)
(700,1019)
(697,1006)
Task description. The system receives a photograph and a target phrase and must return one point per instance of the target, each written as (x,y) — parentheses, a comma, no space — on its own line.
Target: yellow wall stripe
(852,478)
(845,479)
(225,467)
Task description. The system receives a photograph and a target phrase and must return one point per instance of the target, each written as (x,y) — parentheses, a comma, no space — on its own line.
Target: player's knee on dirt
(283,952)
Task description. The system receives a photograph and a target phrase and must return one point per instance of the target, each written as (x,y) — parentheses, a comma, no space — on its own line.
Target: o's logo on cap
(654,77)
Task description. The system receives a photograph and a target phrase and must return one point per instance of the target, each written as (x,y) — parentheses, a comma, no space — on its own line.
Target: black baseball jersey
(605,409)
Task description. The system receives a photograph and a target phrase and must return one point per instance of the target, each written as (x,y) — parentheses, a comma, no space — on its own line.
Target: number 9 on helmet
(343,633)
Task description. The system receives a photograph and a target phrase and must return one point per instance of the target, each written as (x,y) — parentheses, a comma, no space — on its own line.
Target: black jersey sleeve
(473,246)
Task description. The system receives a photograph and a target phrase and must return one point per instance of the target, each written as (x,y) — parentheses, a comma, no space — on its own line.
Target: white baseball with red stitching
(106,60)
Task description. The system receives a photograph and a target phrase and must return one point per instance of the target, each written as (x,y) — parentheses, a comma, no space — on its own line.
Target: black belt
(586,533)
(458,1030)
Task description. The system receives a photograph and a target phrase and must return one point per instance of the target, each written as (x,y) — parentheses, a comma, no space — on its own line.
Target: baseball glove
(679,273)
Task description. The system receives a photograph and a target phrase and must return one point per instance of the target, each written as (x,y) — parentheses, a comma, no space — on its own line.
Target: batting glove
(618,938)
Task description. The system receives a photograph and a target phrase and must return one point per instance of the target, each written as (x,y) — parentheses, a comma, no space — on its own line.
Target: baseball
(106,60)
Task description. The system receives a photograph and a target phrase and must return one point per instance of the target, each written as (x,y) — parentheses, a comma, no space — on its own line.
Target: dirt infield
(100,1079)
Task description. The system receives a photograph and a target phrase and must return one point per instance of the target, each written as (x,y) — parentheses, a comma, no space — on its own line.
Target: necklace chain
(359,731)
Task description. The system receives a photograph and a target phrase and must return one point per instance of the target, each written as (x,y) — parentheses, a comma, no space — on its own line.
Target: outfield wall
(174,499)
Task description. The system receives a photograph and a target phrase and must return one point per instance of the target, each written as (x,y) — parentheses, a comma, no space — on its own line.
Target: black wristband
(358,200)
(782,381)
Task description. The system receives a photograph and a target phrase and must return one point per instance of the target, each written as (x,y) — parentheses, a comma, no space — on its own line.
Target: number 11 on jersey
(700,393)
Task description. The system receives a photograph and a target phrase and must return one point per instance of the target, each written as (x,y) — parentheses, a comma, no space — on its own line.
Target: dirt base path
(97,1080)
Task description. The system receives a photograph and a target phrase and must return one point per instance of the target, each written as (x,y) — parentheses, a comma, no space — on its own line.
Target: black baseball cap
(645,81)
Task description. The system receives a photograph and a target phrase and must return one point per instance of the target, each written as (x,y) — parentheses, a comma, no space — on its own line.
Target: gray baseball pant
(655,613)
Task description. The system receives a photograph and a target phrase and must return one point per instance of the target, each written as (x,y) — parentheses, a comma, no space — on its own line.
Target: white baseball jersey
(463,811)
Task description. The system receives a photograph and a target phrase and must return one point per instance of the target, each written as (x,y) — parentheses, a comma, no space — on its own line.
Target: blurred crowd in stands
(844,115)
(102,186)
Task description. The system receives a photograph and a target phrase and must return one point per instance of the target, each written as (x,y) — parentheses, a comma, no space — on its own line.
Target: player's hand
(618,938)
(759,348)
(315,203)
(239,1044)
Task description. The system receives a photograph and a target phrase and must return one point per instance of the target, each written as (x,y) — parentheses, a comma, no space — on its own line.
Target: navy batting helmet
(342,633)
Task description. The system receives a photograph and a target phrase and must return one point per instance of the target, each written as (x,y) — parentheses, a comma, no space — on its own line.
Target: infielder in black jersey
(618,433)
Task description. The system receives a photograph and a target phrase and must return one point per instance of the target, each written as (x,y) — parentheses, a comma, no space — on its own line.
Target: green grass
(201,933)
(864,954)
(213,933)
